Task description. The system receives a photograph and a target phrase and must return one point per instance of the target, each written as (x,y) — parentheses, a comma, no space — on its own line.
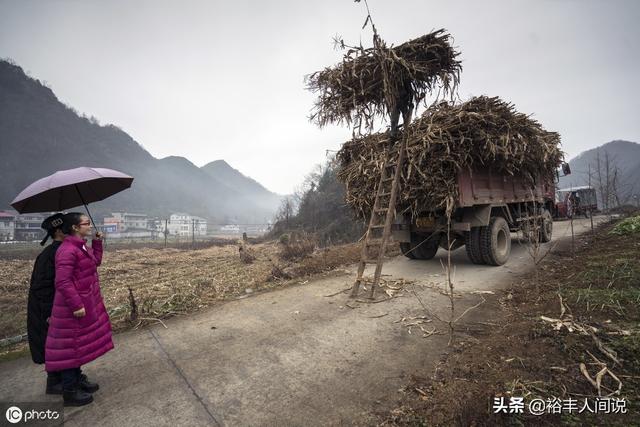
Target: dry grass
(480,133)
(296,246)
(167,282)
(247,255)
(355,91)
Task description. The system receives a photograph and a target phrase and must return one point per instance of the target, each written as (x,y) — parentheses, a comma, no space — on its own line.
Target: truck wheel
(472,245)
(424,250)
(405,248)
(427,250)
(547,227)
(495,241)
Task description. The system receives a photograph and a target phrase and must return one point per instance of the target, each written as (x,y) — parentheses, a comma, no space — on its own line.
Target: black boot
(86,385)
(54,383)
(76,397)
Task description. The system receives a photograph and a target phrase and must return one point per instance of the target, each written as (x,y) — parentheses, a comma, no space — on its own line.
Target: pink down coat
(73,341)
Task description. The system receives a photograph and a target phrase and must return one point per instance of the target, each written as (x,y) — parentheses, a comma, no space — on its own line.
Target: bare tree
(606,175)
(286,211)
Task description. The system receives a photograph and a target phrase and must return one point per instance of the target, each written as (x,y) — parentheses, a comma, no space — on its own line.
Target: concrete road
(294,356)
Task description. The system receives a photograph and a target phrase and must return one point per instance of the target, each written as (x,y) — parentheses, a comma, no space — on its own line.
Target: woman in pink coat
(79,327)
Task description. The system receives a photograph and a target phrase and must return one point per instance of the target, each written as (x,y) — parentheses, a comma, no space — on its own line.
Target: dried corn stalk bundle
(354,91)
(483,132)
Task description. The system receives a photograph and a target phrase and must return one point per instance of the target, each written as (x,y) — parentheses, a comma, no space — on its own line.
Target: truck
(488,208)
(575,201)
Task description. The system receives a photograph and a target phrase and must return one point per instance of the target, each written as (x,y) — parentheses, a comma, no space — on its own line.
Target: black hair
(51,224)
(70,219)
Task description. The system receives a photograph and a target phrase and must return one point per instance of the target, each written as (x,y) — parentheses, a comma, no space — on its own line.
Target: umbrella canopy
(69,188)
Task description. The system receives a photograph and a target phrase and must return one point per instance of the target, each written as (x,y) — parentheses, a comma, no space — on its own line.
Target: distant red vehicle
(576,201)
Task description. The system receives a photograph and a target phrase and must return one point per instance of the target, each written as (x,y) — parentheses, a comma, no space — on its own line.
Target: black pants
(69,377)
(54,376)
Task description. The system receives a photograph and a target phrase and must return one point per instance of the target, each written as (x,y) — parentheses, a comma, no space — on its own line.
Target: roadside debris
(567,321)
(418,321)
(597,382)
(393,288)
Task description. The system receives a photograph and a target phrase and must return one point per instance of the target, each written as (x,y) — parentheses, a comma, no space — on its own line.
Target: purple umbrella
(68,188)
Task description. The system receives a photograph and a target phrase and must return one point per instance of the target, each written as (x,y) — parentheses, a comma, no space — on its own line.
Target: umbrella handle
(85,206)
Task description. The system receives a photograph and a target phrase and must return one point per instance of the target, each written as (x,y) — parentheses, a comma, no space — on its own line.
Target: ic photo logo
(13,414)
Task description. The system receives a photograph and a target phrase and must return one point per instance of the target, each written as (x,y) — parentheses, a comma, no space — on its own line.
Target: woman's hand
(79,313)
(99,235)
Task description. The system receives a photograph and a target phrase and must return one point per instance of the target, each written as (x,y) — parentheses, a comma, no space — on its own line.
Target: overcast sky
(214,80)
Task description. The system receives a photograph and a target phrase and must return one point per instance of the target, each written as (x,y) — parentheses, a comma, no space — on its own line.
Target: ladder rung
(378,210)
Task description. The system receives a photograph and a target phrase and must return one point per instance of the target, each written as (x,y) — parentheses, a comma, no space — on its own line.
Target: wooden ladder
(384,207)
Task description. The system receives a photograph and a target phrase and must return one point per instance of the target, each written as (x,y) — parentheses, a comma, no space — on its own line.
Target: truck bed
(486,187)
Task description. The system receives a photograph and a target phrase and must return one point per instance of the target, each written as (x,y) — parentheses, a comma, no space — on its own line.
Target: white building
(126,221)
(7,226)
(200,226)
(27,226)
(183,224)
(230,228)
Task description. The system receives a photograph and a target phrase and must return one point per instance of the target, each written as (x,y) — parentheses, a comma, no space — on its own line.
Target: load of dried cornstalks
(449,137)
(354,91)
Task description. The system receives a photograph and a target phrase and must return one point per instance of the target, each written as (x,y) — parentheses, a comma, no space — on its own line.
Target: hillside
(40,135)
(623,154)
(222,171)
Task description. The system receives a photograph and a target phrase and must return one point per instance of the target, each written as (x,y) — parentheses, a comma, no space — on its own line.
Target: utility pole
(166,232)
(573,239)
(590,211)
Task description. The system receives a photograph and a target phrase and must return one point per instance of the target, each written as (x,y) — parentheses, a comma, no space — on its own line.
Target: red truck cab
(575,201)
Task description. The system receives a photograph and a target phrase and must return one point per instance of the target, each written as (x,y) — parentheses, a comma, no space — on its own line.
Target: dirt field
(598,289)
(167,282)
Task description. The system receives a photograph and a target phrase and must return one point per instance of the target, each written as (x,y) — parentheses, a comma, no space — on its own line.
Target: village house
(27,226)
(183,224)
(127,222)
(7,226)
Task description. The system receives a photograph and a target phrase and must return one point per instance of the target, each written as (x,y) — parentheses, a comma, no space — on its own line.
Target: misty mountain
(222,171)
(625,155)
(40,135)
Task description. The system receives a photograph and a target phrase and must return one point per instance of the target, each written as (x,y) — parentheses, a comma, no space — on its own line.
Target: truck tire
(495,241)
(422,249)
(405,248)
(427,250)
(472,245)
(547,227)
